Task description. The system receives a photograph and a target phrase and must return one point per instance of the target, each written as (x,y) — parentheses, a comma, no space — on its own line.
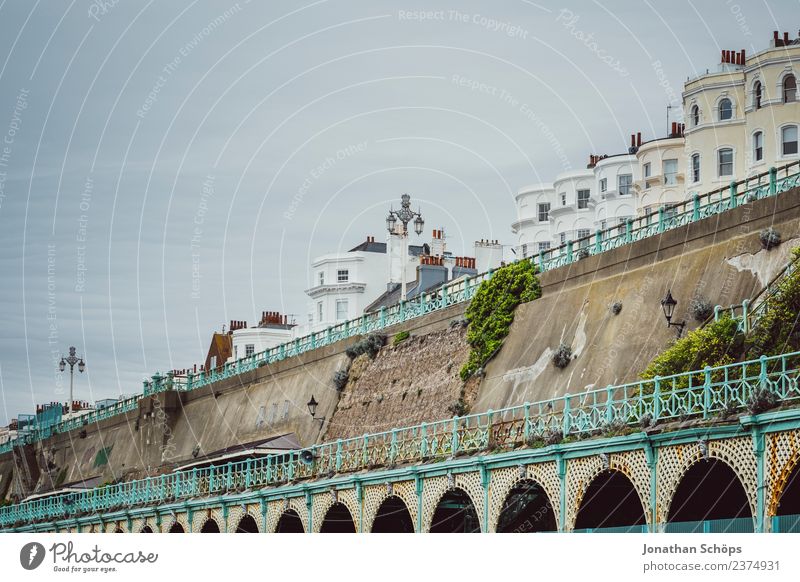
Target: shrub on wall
(491,311)
(400,337)
(371,345)
(717,344)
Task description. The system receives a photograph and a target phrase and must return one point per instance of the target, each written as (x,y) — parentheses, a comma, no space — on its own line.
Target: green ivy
(716,344)
(491,311)
(400,337)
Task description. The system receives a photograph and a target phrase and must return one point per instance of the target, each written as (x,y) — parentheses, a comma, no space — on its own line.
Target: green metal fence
(701,393)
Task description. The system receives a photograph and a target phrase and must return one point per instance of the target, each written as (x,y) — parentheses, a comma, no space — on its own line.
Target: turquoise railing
(731,525)
(785,524)
(701,393)
(748,313)
(668,217)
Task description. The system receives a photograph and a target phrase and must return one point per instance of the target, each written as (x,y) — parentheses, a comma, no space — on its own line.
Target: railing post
(423,440)
(773,181)
(717,309)
(628,230)
(338,455)
(746,315)
(656,398)
(526,430)
(660,219)
(313,340)
(364,451)
(541,261)
(489,274)
(569,251)
(762,376)
(598,241)
(248,474)
(454,437)
(695,207)
(382,320)
(444,296)
(402,310)
(566,424)
(393,447)
(733,193)
(609,404)
(707,391)
(328,335)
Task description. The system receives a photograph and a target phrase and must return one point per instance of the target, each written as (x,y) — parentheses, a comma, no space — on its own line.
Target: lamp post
(668,305)
(71,359)
(404,215)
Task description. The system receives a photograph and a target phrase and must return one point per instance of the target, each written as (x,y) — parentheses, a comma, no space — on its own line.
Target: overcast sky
(168,166)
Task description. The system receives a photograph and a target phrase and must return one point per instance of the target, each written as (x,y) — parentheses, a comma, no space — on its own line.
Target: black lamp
(668,305)
(312,409)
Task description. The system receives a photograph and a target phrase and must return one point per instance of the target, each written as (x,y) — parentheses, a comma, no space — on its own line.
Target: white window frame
(603,184)
(759,134)
(546,211)
(783,88)
(719,109)
(695,115)
(783,143)
(346,304)
(319,311)
(342,275)
(563,198)
(249,350)
(670,178)
(696,172)
(732,162)
(321,278)
(583,203)
(544,246)
(624,189)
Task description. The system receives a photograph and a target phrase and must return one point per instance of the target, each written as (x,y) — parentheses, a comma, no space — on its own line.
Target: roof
(266,446)
(369,246)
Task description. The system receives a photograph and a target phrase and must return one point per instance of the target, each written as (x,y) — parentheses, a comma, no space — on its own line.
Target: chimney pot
(786,37)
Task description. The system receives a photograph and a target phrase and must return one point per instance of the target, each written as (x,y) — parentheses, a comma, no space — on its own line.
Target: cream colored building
(739,121)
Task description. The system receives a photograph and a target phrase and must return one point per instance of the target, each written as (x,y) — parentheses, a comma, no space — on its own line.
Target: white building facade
(739,121)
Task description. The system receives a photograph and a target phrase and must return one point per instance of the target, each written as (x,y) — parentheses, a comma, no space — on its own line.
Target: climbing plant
(491,311)
(716,344)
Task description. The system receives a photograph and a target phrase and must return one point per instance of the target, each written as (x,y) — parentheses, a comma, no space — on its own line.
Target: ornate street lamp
(668,305)
(71,359)
(404,215)
(312,409)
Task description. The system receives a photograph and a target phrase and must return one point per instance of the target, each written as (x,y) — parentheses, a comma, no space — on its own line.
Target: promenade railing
(697,394)
(668,217)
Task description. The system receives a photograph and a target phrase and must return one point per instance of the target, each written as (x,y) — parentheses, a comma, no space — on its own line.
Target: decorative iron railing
(700,393)
(771,183)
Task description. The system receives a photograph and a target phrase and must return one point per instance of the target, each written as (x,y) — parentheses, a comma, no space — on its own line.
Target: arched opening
(695,116)
(146,529)
(290,523)
(393,517)
(757,95)
(611,503)
(526,509)
(247,525)
(338,520)
(210,526)
(725,110)
(455,513)
(787,515)
(176,528)
(118,529)
(710,498)
(789,89)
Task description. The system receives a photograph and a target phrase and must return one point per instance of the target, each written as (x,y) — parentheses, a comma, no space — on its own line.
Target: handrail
(666,218)
(699,393)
